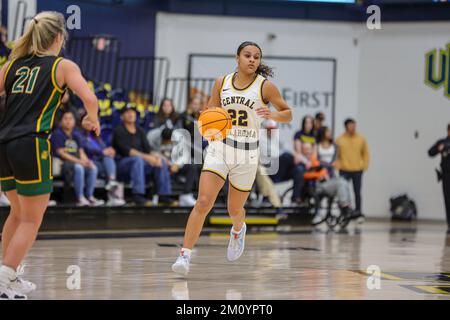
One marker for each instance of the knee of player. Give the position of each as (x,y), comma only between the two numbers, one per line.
(15,214)
(234,211)
(204,204)
(31,217)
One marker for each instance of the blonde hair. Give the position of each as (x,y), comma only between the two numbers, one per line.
(39,35)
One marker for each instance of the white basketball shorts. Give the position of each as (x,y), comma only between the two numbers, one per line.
(238,165)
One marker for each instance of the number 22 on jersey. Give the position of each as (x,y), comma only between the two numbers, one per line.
(241,117)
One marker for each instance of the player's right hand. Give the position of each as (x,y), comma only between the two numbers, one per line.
(90,125)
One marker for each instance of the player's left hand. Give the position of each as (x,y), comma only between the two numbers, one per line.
(264,112)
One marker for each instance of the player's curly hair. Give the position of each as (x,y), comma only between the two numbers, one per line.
(263,69)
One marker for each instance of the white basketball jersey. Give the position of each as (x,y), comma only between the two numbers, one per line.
(241,105)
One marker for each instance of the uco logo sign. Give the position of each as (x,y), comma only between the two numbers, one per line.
(437,69)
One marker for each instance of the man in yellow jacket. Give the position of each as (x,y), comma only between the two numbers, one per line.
(353,159)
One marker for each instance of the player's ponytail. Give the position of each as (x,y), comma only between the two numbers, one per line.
(39,35)
(263,69)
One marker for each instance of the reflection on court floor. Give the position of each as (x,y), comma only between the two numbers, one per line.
(414,263)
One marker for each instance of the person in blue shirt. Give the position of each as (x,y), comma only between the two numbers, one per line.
(103,158)
(68,145)
(305,134)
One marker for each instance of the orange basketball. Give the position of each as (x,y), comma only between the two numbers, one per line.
(214,124)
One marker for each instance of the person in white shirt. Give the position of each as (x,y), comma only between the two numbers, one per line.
(326,150)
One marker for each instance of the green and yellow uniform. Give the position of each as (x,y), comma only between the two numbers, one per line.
(32,99)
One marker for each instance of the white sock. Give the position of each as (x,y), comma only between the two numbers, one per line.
(238,232)
(20,270)
(7,274)
(186,252)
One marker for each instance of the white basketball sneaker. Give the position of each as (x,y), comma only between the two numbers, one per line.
(93,202)
(8,293)
(187,200)
(22,286)
(4,201)
(237,243)
(181,265)
(114,202)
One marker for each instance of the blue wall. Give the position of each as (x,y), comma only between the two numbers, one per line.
(134,26)
(4,12)
(134,21)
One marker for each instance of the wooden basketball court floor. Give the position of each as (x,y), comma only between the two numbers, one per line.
(305,263)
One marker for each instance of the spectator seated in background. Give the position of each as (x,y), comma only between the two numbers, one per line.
(189,117)
(166,116)
(326,150)
(67,142)
(136,161)
(150,114)
(188,121)
(291,165)
(318,124)
(324,184)
(103,157)
(305,135)
(178,160)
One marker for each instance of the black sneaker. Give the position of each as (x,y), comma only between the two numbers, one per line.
(140,200)
(167,201)
(347,214)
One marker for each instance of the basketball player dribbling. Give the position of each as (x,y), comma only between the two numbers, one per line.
(34,81)
(245,95)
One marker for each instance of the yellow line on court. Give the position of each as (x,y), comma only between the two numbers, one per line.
(249,220)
